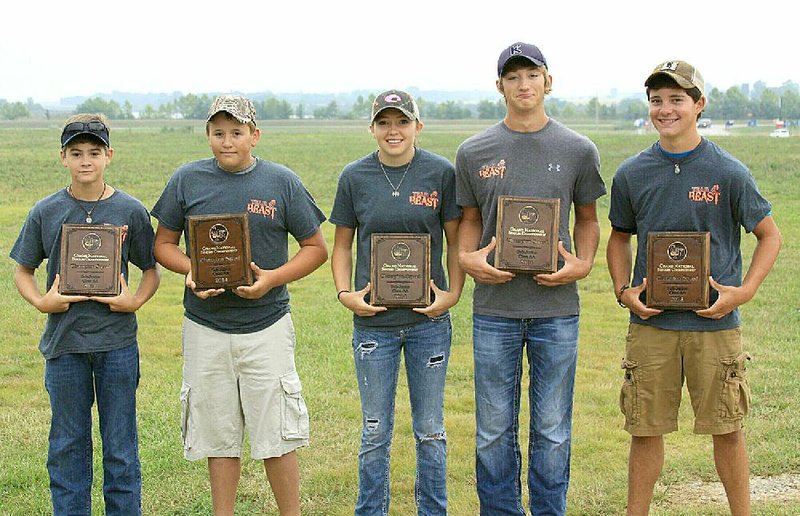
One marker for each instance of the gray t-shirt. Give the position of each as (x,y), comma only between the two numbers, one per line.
(88,326)
(713,192)
(277,205)
(427,200)
(554,162)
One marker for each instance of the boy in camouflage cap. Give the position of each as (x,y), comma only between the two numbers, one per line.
(684,182)
(238,344)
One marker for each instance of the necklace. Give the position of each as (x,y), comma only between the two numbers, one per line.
(395,192)
(94,205)
(676,162)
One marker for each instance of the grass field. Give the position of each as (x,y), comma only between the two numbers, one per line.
(145,156)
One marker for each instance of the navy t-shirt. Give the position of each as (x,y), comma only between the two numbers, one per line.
(87,326)
(364,202)
(713,192)
(277,205)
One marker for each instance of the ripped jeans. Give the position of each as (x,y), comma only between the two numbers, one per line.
(426,349)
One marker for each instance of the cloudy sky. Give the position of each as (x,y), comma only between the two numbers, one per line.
(50,49)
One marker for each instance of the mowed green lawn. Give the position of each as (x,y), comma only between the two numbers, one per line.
(145,157)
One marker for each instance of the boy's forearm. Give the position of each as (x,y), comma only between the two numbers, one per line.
(469,232)
(312,254)
(619,259)
(172,257)
(25,281)
(151,279)
(764,255)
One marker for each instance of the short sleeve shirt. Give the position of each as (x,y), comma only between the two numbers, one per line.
(554,162)
(713,192)
(88,326)
(426,201)
(277,205)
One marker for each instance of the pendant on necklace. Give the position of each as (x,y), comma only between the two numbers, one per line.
(88,219)
(677,168)
(395,194)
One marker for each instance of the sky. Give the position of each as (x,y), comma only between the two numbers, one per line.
(52,49)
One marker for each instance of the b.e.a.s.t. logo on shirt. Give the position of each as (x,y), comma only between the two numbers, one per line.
(493,170)
(705,194)
(264,208)
(429,200)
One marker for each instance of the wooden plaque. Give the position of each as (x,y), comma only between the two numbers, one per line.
(527,234)
(400,269)
(90,260)
(219,248)
(678,265)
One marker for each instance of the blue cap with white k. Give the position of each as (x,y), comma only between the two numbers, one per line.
(519,49)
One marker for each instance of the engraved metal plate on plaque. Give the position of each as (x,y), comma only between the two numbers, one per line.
(527,234)
(219,248)
(400,269)
(678,266)
(90,259)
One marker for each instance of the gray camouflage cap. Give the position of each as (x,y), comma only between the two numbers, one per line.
(399,100)
(686,75)
(241,108)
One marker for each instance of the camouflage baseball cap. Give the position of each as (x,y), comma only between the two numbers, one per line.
(686,75)
(396,99)
(241,108)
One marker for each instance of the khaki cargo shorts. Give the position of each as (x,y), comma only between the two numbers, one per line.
(657,362)
(234,383)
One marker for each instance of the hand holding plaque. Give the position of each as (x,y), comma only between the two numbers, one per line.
(678,266)
(90,259)
(400,269)
(527,234)
(219,248)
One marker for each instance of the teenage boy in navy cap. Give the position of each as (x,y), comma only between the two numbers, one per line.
(684,182)
(238,344)
(89,343)
(527,154)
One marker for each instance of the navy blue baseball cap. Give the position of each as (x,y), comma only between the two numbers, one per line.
(519,49)
(94,128)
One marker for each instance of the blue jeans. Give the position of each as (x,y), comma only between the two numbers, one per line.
(552,348)
(72,381)
(426,348)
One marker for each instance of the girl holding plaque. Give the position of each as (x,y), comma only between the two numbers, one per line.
(399,188)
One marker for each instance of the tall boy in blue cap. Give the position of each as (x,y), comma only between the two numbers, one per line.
(89,343)
(527,154)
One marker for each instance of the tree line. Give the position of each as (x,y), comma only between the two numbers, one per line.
(737,102)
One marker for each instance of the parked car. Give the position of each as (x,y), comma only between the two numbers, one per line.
(780,133)
(704,122)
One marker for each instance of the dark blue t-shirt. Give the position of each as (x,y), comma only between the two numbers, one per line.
(87,326)
(713,192)
(277,205)
(364,202)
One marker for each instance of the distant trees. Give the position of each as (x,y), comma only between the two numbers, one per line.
(769,103)
(13,110)
(738,102)
(110,108)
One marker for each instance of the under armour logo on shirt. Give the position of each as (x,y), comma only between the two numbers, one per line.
(554,167)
